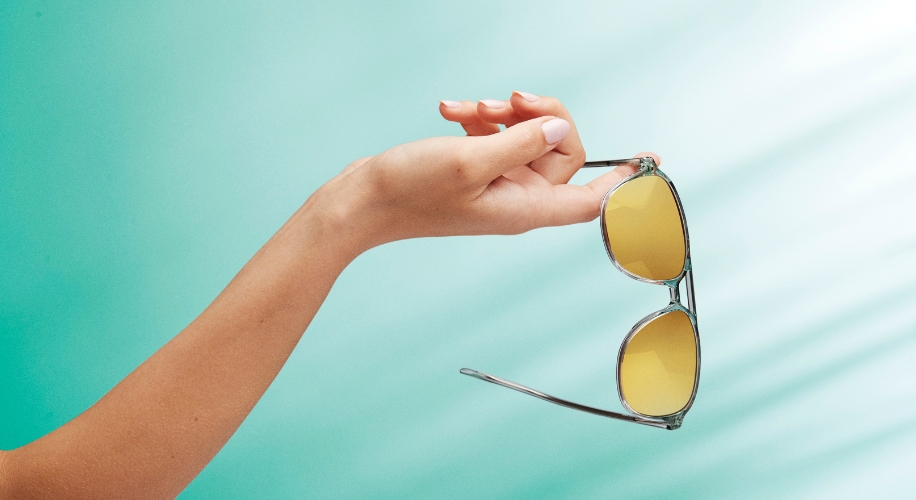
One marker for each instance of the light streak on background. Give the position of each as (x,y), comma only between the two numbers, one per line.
(146,152)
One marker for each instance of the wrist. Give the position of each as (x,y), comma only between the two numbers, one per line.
(335,221)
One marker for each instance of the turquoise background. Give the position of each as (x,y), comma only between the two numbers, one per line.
(147,151)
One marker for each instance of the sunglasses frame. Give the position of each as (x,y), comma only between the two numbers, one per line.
(645,166)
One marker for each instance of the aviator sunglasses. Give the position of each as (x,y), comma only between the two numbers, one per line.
(658,364)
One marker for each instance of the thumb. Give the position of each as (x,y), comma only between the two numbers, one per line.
(496,154)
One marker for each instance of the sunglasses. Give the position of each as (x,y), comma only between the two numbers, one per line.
(658,365)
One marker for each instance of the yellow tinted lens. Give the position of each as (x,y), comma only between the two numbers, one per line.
(658,369)
(644,230)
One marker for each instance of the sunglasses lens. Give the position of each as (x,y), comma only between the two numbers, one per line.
(644,230)
(659,365)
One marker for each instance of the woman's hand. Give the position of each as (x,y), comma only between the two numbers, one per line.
(490,182)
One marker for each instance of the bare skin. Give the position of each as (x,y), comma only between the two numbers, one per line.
(159,427)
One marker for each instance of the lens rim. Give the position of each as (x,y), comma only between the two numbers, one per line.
(647,168)
(675,306)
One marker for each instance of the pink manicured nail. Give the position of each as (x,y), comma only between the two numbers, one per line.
(451,104)
(526,96)
(555,130)
(493,103)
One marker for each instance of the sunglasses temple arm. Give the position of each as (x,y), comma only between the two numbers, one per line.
(635,162)
(562,402)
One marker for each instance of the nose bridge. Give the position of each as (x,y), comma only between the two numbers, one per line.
(675,291)
(688,284)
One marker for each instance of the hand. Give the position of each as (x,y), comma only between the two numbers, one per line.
(490,182)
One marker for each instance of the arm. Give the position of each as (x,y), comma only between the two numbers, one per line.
(159,427)
(154,432)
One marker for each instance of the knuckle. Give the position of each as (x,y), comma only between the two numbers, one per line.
(577,157)
(464,162)
(554,104)
(462,154)
(463,158)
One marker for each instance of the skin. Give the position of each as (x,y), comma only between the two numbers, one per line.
(160,426)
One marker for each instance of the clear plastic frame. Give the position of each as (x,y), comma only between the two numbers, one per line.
(644,167)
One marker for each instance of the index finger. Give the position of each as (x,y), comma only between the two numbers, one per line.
(562,162)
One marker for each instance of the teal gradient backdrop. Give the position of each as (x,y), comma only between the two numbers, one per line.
(147,150)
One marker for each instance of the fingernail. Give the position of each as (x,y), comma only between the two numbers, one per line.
(555,130)
(451,104)
(493,103)
(526,96)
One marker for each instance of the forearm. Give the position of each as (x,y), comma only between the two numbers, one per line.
(158,428)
